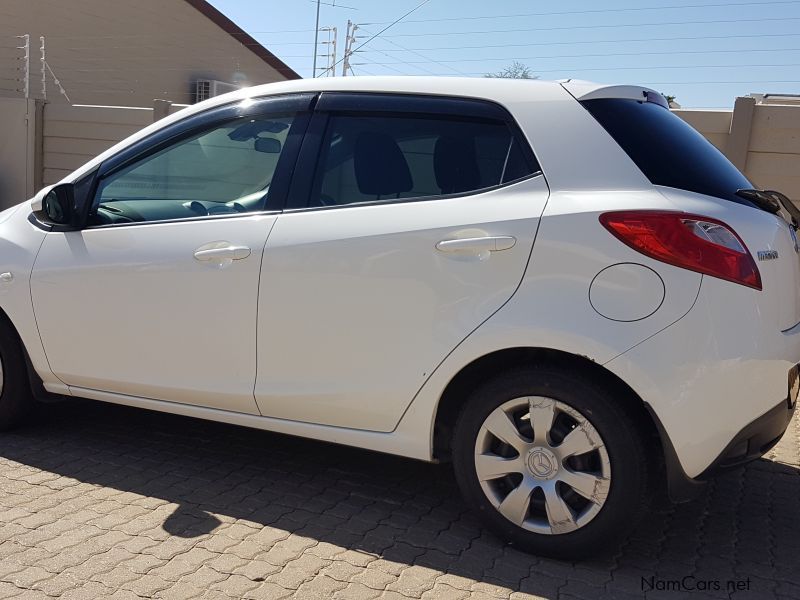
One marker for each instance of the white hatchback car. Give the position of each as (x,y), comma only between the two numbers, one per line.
(562,288)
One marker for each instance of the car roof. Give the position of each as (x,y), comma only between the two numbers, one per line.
(470,87)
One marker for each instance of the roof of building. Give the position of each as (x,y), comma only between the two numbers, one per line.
(243,37)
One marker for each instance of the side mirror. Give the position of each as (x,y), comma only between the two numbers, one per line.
(55,205)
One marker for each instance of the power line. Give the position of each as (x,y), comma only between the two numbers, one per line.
(614,41)
(360,65)
(386,64)
(464,18)
(645,68)
(533,14)
(599,10)
(661,24)
(404,49)
(360,68)
(632,68)
(392,24)
(334,5)
(604,54)
(481,46)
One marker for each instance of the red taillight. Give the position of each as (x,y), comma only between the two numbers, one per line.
(693,242)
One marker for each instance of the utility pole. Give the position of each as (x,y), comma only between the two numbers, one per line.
(329,69)
(316,41)
(348,47)
(346,59)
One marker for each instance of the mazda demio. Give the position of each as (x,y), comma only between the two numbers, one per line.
(558,287)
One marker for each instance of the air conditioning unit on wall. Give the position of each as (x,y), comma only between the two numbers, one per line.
(208,88)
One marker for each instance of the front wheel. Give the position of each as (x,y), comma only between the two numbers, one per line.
(15,394)
(551,461)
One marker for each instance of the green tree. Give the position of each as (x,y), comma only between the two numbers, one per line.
(670,99)
(516,70)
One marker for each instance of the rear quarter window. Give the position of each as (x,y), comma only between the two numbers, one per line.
(667,150)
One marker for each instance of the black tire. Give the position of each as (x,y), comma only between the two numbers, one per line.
(15,398)
(624,443)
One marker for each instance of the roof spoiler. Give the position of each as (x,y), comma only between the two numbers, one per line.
(587,90)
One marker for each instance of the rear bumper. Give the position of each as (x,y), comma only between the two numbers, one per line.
(716,382)
(754,440)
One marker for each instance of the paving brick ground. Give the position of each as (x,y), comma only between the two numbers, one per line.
(102,501)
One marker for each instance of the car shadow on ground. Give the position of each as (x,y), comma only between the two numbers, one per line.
(745,527)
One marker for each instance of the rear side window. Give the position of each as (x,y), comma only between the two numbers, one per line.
(377,157)
(667,149)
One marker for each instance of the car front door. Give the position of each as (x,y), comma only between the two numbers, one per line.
(415,228)
(157,296)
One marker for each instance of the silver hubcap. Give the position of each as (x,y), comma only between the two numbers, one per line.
(542,465)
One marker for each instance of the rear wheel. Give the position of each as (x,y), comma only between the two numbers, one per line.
(551,461)
(15,394)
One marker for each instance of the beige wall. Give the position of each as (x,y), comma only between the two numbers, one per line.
(126,53)
(715,125)
(766,140)
(73,135)
(17,150)
(773,159)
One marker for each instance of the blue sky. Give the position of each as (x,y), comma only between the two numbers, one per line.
(705,52)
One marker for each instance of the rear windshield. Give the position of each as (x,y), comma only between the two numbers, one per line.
(667,149)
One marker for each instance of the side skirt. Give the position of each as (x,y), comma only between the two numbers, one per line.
(389,443)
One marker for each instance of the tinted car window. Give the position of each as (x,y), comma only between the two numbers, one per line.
(379,157)
(667,149)
(227,169)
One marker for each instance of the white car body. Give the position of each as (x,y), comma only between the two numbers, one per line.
(348,326)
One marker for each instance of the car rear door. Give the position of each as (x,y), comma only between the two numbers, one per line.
(410,222)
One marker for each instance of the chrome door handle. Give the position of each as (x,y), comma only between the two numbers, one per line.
(493,243)
(221,252)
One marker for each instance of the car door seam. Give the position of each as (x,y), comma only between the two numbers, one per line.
(469,334)
(258,310)
(33,308)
